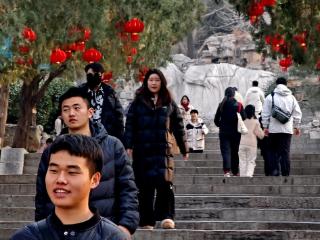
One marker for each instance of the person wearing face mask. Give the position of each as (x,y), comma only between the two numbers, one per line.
(103,99)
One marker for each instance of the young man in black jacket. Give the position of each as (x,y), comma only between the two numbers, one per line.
(103,99)
(116,196)
(75,165)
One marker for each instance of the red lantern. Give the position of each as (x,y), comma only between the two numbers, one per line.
(123,36)
(58,56)
(318,64)
(256,9)
(285,63)
(134,25)
(268,3)
(268,39)
(107,76)
(92,55)
(29,34)
(134,37)
(134,51)
(86,34)
(253,19)
(20,61)
(80,46)
(301,39)
(129,59)
(23,49)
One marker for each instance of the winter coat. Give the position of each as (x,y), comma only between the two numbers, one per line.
(255,97)
(185,114)
(283,99)
(227,119)
(116,195)
(254,131)
(146,134)
(195,134)
(112,112)
(95,228)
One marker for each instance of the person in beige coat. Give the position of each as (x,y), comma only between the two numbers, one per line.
(248,143)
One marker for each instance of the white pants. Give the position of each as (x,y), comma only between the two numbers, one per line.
(247,160)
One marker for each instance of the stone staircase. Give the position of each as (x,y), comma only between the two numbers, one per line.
(208,205)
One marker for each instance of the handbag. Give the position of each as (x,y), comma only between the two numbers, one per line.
(172,143)
(279,114)
(241,126)
(168,173)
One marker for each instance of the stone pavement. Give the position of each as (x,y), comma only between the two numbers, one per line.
(208,205)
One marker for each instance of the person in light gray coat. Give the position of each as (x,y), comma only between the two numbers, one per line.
(280,133)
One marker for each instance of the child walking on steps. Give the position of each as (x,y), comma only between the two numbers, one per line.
(248,143)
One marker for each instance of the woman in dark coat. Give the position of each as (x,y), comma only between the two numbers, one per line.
(152,116)
(227,121)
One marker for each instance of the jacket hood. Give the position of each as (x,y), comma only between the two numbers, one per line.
(282,90)
(97,131)
(254,90)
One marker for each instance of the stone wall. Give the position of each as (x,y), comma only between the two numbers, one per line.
(33,138)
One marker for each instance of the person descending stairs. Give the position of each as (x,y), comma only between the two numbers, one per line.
(208,205)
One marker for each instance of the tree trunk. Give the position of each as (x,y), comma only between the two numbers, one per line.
(27,103)
(4,100)
(31,94)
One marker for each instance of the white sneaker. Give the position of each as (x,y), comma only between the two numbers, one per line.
(226,174)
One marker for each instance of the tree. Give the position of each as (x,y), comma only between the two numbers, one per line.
(166,22)
(285,29)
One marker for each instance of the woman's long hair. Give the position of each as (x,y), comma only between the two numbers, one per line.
(228,94)
(164,96)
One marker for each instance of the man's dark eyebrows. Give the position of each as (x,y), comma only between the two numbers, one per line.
(75,167)
(53,164)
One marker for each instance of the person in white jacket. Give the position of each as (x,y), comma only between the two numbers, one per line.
(185,108)
(248,144)
(255,97)
(196,130)
(280,133)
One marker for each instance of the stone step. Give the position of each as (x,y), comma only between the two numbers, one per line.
(205,201)
(245,225)
(216,155)
(240,201)
(248,214)
(7,200)
(310,190)
(17,213)
(259,163)
(201,214)
(24,178)
(257,171)
(204,184)
(185,234)
(272,180)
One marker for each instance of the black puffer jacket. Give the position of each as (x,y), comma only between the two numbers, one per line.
(145,134)
(52,228)
(112,111)
(116,195)
(227,119)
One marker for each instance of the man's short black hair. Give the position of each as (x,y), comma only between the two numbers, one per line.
(194,111)
(281,80)
(95,66)
(73,92)
(80,146)
(255,83)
